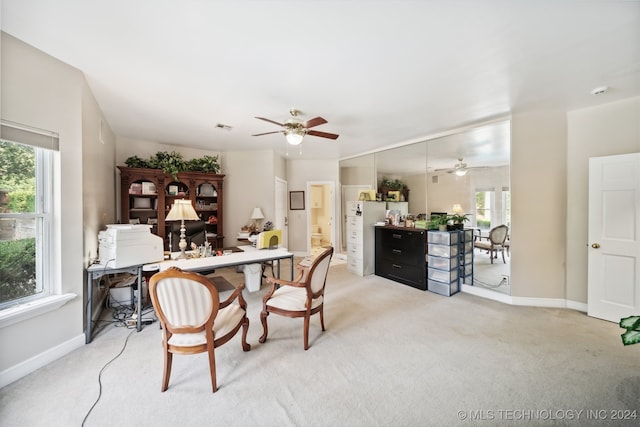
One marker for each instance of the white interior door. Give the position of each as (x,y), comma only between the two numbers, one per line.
(614,236)
(281,220)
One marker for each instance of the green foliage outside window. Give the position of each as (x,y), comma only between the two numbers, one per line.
(17,177)
(17,196)
(17,269)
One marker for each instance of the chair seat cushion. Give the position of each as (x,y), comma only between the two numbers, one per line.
(291,298)
(487,246)
(226,320)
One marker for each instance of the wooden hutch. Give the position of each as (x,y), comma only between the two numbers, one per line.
(146,195)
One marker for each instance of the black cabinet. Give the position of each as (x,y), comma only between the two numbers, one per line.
(400,255)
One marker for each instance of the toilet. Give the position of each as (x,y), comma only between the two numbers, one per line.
(316,235)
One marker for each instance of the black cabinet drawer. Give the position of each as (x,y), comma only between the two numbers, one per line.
(400,255)
(401,239)
(408,274)
(404,256)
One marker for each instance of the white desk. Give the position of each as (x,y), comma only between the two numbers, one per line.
(249,255)
(95,272)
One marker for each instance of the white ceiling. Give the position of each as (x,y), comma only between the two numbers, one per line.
(382,73)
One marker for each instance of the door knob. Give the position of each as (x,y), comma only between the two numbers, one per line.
(595,245)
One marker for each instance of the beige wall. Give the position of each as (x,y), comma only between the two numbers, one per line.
(298,173)
(592,132)
(40,91)
(538,204)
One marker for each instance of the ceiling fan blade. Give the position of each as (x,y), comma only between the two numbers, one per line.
(314,122)
(322,134)
(269,120)
(268,133)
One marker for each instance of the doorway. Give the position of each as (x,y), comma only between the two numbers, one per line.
(320,223)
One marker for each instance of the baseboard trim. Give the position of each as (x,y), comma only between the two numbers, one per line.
(22,369)
(528,301)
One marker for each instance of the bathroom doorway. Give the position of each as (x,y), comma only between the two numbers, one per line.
(320,221)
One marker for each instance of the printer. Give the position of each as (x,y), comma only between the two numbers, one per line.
(125,245)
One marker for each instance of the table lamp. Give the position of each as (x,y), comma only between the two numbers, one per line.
(257,215)
(457,209)
(182,210)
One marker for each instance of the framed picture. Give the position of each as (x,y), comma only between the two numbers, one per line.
(393,196)
(296,200)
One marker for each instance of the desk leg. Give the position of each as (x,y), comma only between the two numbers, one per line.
(291,258)
(87,330)
(140,295)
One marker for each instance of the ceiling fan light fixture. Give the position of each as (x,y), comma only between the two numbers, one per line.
(294,136)
(461,172)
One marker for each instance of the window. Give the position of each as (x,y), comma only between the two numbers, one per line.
(26,175)
(484,203)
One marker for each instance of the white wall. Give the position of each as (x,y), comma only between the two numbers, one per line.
(41,91)
(592,132)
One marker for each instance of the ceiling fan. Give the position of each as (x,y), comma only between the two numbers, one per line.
(295,129)
(460,168)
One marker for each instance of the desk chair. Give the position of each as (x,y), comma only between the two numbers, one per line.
(301,297)
(193,319)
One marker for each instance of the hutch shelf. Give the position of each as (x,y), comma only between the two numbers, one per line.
(146,196)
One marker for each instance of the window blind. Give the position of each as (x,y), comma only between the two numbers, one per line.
(23,134)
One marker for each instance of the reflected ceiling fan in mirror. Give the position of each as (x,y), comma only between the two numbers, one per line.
(460,168)
(295,129)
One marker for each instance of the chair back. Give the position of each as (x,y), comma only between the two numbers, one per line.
(498,234)
(185,302)
(317,276)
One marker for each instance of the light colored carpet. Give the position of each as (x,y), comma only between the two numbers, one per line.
(391,356)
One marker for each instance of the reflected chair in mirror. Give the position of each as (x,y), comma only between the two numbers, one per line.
(495,242)
(301,297)
(192,317)
(195,231)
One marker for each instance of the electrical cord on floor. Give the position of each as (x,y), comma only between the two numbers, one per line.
(489,285)
(100,378)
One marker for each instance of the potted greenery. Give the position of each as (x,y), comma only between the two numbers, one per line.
(438,222)
(458,221)
(173,163)
(632,326)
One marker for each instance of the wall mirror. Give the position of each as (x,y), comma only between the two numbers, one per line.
(470,168)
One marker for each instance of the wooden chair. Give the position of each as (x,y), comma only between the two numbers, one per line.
(301,297)
(495,243)
(193,319)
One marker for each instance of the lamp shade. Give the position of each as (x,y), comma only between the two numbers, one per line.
(457,209)
(182,210)
(257,214)
(294,137)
